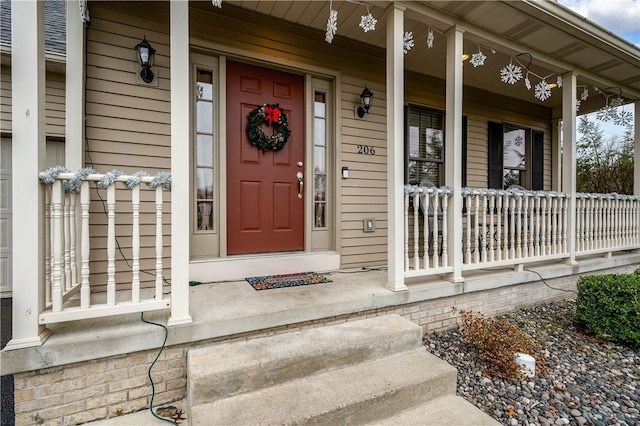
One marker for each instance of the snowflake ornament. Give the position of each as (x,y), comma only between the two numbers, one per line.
(527,82)
(511,74)
(623,118)
(543,90)
(216,3)
(578,102)
(477,59)
(368,22)
(617,101)
(559,81)
(606,113)
(430,38)
(407,42)
(585,94)
(332,26)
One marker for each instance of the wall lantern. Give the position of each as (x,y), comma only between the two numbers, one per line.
(366,98)
(146,55)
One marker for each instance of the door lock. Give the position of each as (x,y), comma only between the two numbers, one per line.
(300,184)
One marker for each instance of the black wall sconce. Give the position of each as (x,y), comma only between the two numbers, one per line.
(366,99)
(146,55)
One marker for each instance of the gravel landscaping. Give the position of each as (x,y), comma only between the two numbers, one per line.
(586,382)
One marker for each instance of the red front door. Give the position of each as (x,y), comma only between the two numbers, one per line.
(264,210)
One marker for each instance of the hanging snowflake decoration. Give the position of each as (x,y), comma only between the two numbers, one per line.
(477,59)
(606,113)
(543,90)
(585,94)
(511,74)
(216,3)
(368,22)
(617,101)
(578,102)
(623,118)
(527,82)
(84,12)
(559,81)
(430,38)
(407,42)
(332,26)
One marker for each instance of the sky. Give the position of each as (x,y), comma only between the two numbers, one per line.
(621,17)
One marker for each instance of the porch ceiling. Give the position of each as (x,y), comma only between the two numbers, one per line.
(558,39)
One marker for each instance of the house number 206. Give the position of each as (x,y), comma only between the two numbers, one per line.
(366,150)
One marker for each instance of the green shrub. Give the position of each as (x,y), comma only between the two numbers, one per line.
(609,305)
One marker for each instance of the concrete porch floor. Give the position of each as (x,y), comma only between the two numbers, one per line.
(231,308)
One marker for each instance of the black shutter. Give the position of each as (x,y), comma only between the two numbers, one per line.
(537,160)
(464,150)
(496,155)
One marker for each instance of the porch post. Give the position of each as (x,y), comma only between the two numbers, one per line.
(395,148)
(636,150)
(180,107)
(569,95)
(74,88)
(453,148)
(28,159)
(556,155)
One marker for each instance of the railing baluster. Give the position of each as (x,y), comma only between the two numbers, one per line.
(554,226)
(111,245)
(74,239)
(416,231)
(56,246)
(485,233)
(478,238)
(500,247)
(505,217)
(135,245)
(492,205)
(85,289)
(425,229)
(66,278)
(512,228)
(436,259)
(519,226)
(530,213)
(406,232)
(159,276)
(445,204)
(467,248)
(48,257)
(565,202)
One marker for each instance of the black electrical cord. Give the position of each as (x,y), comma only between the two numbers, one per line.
(153,387)
(545,283)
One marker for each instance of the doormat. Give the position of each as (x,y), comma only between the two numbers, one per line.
(287,280)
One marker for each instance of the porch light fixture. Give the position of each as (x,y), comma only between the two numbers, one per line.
(146,55)
(366,98)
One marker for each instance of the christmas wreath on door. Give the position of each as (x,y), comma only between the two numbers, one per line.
(273,117)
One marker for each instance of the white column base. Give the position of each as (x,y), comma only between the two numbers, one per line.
(452,278)
(186,319)
(28,342)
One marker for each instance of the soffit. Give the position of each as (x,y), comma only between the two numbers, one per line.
(559,39)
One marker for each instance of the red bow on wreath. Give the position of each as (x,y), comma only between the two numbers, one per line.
(273,115)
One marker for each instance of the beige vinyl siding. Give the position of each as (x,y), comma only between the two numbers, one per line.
(54,103)
(481,107)
(128,128)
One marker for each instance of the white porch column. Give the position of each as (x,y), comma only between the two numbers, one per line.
(556,155)
(28,158)
(74,88)
(180,107)
(636,150)
(395,148)
(453,148)
(569,133)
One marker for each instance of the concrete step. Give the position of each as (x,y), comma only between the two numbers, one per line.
(357,394)
(446,410)
(228,369)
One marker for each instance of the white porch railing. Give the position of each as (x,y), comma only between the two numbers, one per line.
(425,230)
(606,222)
(512,227)
(68,289)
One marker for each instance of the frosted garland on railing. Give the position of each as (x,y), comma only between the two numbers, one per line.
(75,183)
(134,180)
(612,196)
(109,178)
(416,189)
